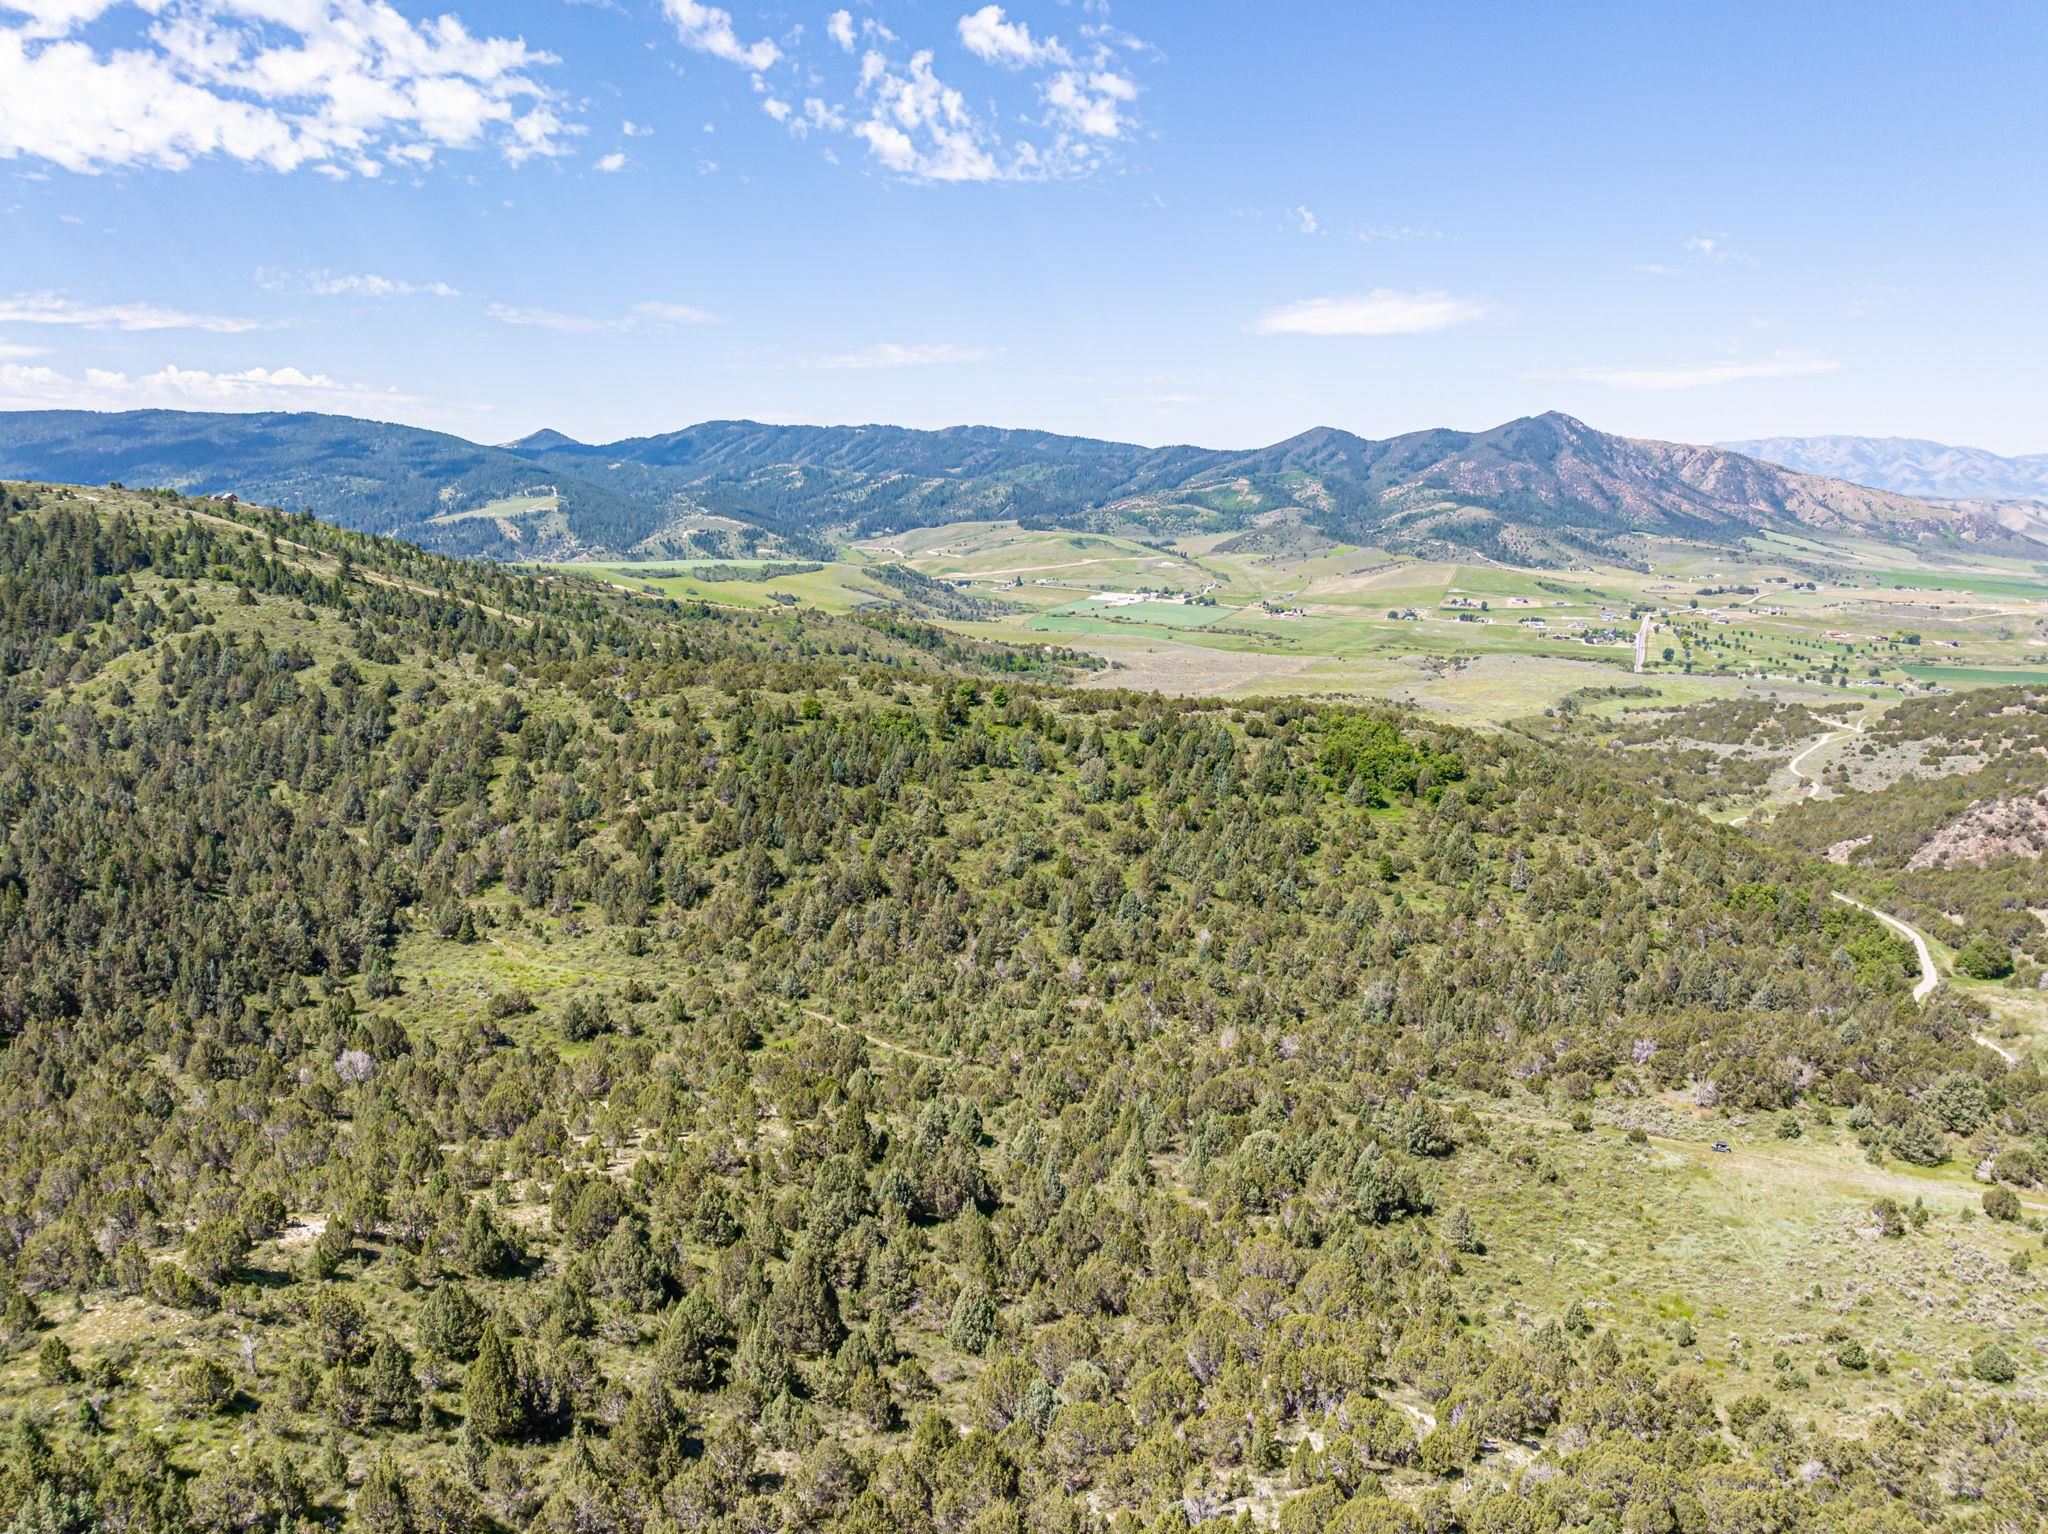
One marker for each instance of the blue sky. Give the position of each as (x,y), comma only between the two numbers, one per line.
(1185,221)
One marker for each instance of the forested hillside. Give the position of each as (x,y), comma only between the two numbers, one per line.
(485,1051)
(1542,490)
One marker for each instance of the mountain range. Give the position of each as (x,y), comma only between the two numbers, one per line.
(1908,466)
(1542,490)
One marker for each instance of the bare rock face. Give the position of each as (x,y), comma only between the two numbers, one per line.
(1991,828)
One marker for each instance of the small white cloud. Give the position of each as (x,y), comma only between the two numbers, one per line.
(839,27)
(708,29)
(1656,269)
(1701,375)
(554,319)
(1090,102)
(1382,312)
(893,354)
(11,351)
(612,162)
(351,285)
(53,309)
(674,314)
(777,108)
(653,314)
(988,35)
(1374,233)
(632,129)
(1714,247)
(1304,220)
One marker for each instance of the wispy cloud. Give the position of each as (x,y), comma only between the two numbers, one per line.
(350,285)
(708,29)
(614,161)
(55,309)
(990,36)
(651,315)
(674,314)
(1700,375)
(1382,312)
(896,354)
(1396,233)
(1713,247)
(1304,220)
(12,352)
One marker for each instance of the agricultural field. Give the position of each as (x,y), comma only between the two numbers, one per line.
(1778,617)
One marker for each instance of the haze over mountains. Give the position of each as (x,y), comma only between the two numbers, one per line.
(1908,465)
(1541,490)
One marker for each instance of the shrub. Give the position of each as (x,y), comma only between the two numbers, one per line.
(2001,1203)
(1920,1140)
(974,1321)
(1992,1364)
(214,1252)
(1984,958)
(202,1388)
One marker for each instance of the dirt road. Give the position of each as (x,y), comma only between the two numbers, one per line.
(1643,641)
(1793,766)
(1930,977)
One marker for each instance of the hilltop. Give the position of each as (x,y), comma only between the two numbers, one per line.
(1544,490)
(484,1051)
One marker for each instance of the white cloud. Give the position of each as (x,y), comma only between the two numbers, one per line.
(921,127)
(1714,247)
(1702,375)
(708,29)
(176,388)
(1399,232)
(1304,220)
(918,126)
(351,285)
(895,354)
(988,35)
(632,129)
(341,86)
(820,116)
(12,351)
(1090,102)
(651,315)
(612,162)
(1382,312)
(674,314)
(53,309)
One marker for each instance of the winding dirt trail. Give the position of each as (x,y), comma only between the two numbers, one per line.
(1643,641)
(1930,976)
(1793,767)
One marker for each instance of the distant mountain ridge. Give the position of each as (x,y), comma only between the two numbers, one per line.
(1908,466)
(1545,489)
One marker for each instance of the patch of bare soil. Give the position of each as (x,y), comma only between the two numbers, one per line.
(1992,828)
(1188,670)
